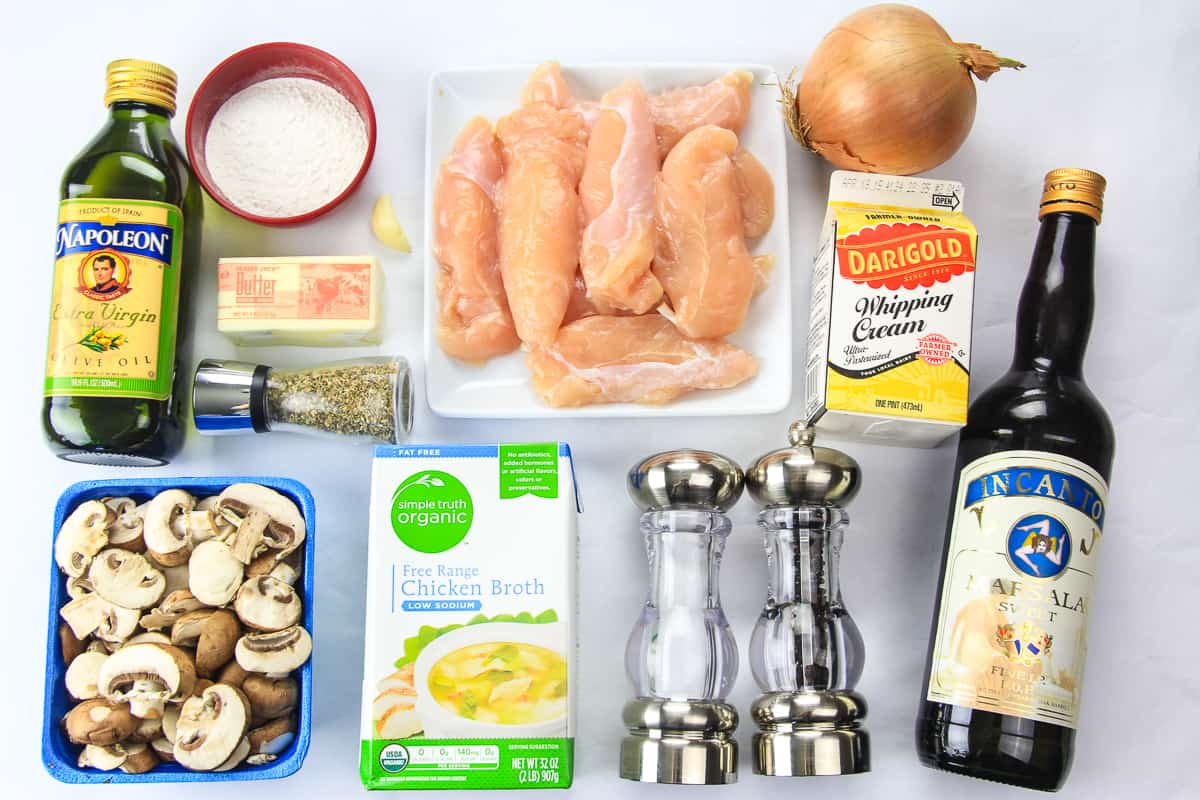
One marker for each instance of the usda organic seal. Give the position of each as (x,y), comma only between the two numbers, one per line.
(393,758)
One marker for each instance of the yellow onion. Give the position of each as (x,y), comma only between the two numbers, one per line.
(888,91)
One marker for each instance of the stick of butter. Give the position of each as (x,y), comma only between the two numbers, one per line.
(331,301)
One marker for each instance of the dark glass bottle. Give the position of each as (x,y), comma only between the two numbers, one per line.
(1006,655)
(128,238)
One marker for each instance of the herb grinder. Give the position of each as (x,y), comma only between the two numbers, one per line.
(806,653)
(681,655)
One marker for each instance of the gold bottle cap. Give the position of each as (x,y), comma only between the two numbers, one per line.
(1072,189)
(141,82)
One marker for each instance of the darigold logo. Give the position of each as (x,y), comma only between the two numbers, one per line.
(904,255)
(431,511)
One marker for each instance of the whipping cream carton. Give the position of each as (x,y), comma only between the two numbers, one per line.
(893,285)
(469,673)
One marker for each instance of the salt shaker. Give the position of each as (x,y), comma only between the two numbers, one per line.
(361,400)
(681,655)
(806,653)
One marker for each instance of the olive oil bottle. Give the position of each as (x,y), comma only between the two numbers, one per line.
(128,235)
(1009,640)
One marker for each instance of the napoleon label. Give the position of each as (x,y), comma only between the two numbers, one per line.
(114,299)
(1012,626)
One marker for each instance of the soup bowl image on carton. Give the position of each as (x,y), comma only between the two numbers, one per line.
(469,664)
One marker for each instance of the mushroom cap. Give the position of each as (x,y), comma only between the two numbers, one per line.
(83,675)
(277,651)
(233,674)
(274,737)
(163,748)
(270,698)
(139,758)
(83,534)
(126,578)
(214,632)
(214,575)
(267,604)
(147,731)
(211,727)
(72,646)
(168,543)
(147,676)
(151,637)
(99,721)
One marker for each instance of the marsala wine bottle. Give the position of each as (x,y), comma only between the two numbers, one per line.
(1009,638)
(128,236)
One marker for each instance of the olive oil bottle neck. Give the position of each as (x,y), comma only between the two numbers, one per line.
(1054,317)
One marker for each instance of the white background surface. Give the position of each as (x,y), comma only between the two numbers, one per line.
(1112,88)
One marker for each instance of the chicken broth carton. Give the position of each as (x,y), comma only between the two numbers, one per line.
(469,672)
(889,338)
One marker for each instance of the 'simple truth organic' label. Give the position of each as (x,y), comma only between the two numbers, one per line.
(114,300)
(890,321)
(1012,626)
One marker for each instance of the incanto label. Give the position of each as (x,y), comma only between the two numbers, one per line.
(114,299)
(1012,627)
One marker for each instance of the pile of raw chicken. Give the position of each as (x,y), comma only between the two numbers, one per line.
(608,239)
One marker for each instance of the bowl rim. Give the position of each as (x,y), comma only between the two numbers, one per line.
(67,771)
(369,119)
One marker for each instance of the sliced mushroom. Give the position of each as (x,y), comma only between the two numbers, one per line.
(273,738)
(211,727)
(78,587)
(83,534)
(287,569)
(147,731)
(163,748)
(265,519)
(270,698)
(102,758)
(170,719)
(267,604)
(83,674)
(72,646)
(125,531)
(223,526)
(213,632)
(126,579)
(149,637)
(214,574)
(232,674)
(99,721)
(177,578)
(147,676)
(200,525)
(139,758)
(118,625)
(236,757)
(172,607)
(279,651)
(167,542)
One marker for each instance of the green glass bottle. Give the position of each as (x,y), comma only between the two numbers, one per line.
(127,241)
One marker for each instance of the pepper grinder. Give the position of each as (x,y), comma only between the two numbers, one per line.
(681,655)
(806,652)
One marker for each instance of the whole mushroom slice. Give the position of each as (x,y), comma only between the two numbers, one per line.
(78,587)
(264,518)
(270,698)
(84,614)
(118,625)
(213,632)
(147,676)
(139,758)
(199,525)
(223,526)
(167,542)
(83,675)
(101,722)
(214,575)
(211,727)
(126,579)
(275,652)
(83,534)
(267,604)
(172,607)
(125,531)
(106,758)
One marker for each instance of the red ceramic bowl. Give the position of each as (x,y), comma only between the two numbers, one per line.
(263,62)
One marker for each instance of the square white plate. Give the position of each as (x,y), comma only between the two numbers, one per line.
(501,387)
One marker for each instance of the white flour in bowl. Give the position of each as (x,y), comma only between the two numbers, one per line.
(285,146)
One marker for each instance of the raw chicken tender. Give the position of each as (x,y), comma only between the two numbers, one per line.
(701,258)
(543,151)
(724,102)
(756,190)
(632,360)
(474,323)
(617,192)
(547,84)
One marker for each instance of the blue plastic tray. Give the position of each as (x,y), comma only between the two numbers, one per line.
(59,754)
